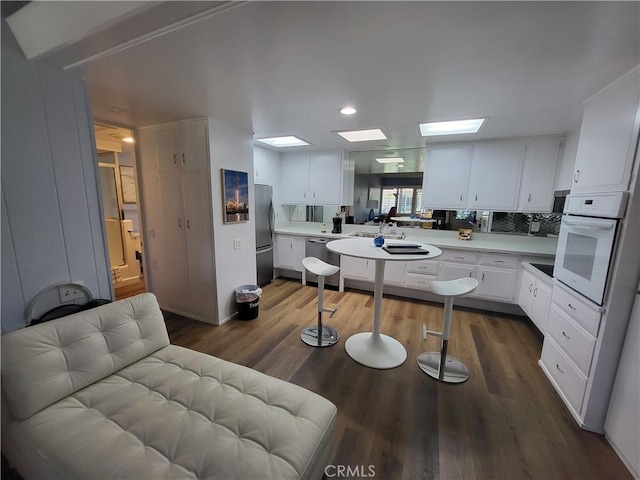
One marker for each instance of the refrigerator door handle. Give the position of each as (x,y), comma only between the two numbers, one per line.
(271,217)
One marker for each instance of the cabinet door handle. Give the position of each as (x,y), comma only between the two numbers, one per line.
(559,369)
(482,276)
(175,158)
(305,194)
(564,334)
(460,197)
(576,176)
(459,258)
(476,196)
(499,261)
(529,199)
(188,223)
(535,292)
(469,273)
(530,287)
(183,159)
(179,223)
(571,307)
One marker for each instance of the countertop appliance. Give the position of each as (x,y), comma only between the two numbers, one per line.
(264,219)
(317,247)
(337,225)
(587,240)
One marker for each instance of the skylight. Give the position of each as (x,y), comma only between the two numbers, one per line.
(451,127)
(286,141)
(363,135)
(390,160)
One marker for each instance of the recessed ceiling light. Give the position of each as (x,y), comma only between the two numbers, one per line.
(286,141)
(453,127)
(363,135)
(347,110)
(391,160)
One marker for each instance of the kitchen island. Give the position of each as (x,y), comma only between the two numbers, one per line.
(493,258)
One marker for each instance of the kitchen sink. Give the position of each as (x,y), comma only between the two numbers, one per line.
(388,236)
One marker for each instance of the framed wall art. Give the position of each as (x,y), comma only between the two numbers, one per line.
(235,191)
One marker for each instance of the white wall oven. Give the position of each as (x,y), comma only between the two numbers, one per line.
(587,241)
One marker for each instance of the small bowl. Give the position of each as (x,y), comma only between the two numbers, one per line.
(378,240)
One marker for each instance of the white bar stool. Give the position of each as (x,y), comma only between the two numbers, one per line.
(328,336)
(451,370)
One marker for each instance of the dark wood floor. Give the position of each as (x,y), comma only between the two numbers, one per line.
(505,422)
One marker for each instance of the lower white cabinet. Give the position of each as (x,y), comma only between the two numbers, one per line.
(496,283)
(453,271)
(394,273)
(289,252)
(569,348)
(534,298)
(358,268)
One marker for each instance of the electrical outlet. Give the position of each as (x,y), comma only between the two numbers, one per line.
(237,243)
(68,293)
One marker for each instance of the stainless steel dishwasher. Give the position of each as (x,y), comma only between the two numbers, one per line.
(317,247)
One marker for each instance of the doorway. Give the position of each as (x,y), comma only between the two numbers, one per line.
(118,187)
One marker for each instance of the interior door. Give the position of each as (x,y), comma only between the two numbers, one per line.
(109,191)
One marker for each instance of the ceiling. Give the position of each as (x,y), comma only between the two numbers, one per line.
(285,68)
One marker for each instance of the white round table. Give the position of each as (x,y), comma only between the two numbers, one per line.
(374,349)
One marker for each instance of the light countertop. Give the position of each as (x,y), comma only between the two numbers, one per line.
(487,242)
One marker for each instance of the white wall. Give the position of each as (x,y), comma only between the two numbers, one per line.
(232,149)
(52,228)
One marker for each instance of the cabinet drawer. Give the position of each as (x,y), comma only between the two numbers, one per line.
(417,280)
(498,260)
(580,311)
(425,267)
(568,379)
(458,256)
(573,340)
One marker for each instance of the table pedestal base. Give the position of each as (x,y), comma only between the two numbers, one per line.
(375,351)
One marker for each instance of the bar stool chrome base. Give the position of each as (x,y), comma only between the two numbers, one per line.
(329,336)
(453,371)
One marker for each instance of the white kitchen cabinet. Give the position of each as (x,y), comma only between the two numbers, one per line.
(325,172)
(540,165)
(567,162)
(266,167)
(534,298)
(357,268)
(294,178)
(569,347)
(445,181)
(453,271)
(496,283)
(289,252)
(394,273)
(315,178)
(496,170)
(608,138)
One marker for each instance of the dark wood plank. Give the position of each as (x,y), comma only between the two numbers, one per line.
(505,422)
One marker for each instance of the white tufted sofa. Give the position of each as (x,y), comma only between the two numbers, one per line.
(102,394)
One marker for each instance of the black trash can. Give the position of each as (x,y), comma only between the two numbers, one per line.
(248,300)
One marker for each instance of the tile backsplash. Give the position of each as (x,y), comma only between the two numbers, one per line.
(511,222)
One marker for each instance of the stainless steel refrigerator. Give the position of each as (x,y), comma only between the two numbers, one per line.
(264,216)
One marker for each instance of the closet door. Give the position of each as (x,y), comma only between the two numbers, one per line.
(199,243)
(173,274)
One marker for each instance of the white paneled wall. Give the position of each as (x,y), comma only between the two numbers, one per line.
(51,222)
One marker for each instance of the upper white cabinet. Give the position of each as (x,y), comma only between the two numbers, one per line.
(446,177)
(566,164)
(608,138)
(294,178)
(496,169)
(540,164)
(316,178)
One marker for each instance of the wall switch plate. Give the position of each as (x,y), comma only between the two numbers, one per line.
(237,243)
(69,293)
